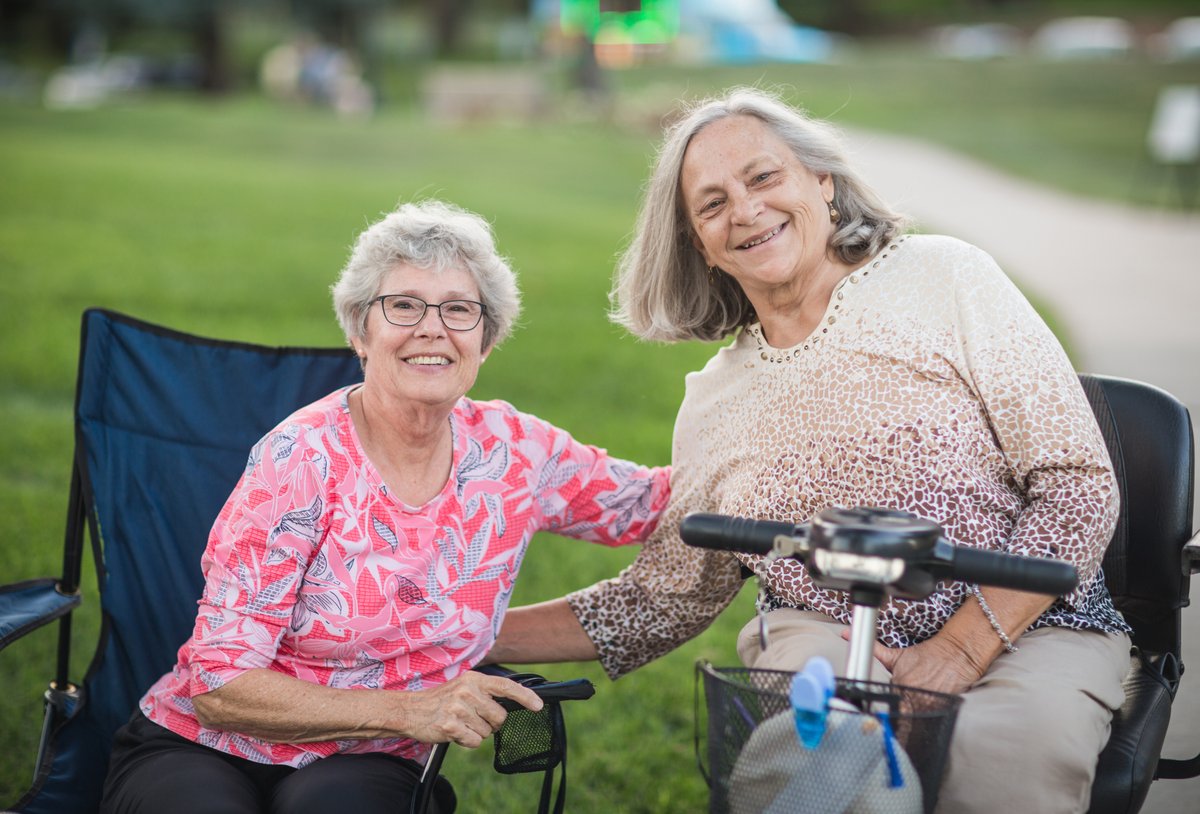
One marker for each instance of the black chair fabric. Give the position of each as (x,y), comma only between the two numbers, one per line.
(1149,437)
(1139,728)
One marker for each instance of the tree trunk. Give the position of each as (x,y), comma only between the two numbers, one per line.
(208,37)
(446,20)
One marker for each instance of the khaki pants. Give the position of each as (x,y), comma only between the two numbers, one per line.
(1028,733)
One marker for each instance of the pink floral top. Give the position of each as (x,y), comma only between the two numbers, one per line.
(313,570)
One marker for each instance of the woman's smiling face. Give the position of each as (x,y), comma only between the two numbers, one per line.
(756,212)
(424,363)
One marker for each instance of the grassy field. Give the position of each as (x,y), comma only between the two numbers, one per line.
(231,219)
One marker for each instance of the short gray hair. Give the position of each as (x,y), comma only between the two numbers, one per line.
(428,235)
(663,290)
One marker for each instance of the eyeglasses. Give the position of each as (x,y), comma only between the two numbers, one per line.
(406,311)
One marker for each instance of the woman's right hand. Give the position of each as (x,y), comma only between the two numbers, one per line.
(463,710)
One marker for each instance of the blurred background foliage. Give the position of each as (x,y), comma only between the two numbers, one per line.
(223,42)
(150,162)
(873,63)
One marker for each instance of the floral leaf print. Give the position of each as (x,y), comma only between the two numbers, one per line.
(327,602)
(365,674)
(211,621)
(494,504)
(408,592)
(321,462)
(627,504)
(254,458)
(628,498)
(301,522)
(302,617)
(284,442)
(447,543)
(319,569)
(249,749)
(244,580)
(213,682)
(385,533)
(490,573)
(499,606)
(218,599)
(271,594)
(275,556)
(476,468)
(473,456)
(552,477)
(475,551)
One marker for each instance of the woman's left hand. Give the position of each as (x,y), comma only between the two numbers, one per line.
(935,664)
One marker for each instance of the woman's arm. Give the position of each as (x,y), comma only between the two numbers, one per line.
(585,493)
(546,632)
(959,654)
(1041,421)
(1057,459)
(274,707)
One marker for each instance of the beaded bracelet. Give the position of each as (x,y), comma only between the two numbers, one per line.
(991,617)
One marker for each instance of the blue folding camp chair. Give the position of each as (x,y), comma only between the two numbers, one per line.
(163,424)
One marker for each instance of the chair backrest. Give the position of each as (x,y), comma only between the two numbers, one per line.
(164,425)
(1149,437)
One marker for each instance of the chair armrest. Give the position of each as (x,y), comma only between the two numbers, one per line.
(579,689)
(553,737)
(494,670)
(1191,555)
(26,606)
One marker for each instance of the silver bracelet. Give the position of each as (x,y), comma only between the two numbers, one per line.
(991,617)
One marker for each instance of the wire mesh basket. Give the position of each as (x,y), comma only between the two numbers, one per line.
(882,752)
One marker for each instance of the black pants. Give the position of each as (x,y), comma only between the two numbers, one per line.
(153,770)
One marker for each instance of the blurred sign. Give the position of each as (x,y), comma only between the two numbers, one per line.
(648,22)
(1174,136)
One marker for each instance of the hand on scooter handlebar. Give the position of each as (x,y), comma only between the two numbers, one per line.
(906,554)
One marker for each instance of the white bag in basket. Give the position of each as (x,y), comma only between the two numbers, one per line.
(846,774)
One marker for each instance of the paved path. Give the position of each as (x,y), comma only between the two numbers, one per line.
(1124,282)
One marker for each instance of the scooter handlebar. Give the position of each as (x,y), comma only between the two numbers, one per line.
(945,560)
(726,533)
(1036,575)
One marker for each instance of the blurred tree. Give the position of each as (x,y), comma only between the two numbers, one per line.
(204,25)
(338,22)
(845,16)
(48,28)
(447,19)
(446,24)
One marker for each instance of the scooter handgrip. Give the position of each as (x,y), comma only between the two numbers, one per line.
(1033,574)
(726,533)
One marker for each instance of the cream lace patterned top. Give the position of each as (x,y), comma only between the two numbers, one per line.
(931,386)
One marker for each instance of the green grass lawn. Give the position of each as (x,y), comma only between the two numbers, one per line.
(232,218)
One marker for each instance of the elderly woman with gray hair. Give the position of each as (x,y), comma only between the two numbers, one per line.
(867,368)
(365,560)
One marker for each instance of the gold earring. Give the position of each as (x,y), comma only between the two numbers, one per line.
(834,215)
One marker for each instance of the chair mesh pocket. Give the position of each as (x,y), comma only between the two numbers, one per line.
(531,741)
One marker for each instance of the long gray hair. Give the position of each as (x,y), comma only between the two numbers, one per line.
(663,290)
(428,235)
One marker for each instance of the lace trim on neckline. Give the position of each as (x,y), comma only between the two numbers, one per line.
(777,355)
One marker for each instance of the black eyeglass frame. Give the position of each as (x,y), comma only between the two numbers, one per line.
(427,305)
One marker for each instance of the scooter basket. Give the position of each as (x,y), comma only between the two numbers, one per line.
(882,752)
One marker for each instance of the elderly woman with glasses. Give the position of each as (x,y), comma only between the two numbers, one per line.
(866,368)
(365,560)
